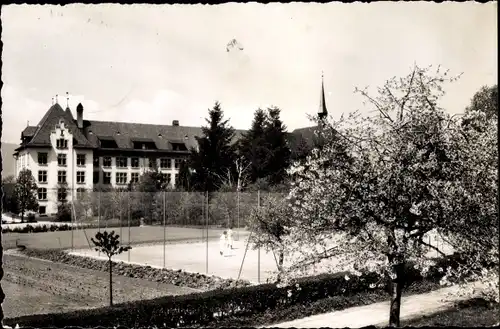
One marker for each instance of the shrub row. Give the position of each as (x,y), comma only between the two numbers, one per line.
(53,227)
(176,277)
(214,307)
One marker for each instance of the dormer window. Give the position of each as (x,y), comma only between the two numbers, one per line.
(62,143)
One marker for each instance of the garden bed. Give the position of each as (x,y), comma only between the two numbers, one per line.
(178,277)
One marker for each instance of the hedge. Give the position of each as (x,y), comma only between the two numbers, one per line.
(212,307)
(64,227)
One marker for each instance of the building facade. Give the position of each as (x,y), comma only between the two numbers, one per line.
(68,156)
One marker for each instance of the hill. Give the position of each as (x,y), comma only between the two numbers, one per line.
(8,162)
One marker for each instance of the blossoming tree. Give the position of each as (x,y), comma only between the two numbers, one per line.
(376,190)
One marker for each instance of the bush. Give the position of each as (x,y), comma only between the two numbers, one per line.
(31,218)
(63,212)
(214,307)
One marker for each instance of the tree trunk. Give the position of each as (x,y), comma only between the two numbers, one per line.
(110,282)
(396,290)
(22,216)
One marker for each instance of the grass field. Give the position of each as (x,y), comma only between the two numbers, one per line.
(81,238)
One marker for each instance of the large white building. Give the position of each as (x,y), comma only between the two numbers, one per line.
(68,155)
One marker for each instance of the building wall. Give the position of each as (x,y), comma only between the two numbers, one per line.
(29,159)
(143,167)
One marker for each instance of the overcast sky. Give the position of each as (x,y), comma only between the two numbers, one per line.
(155,64)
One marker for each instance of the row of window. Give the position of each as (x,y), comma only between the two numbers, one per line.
(61,176)
(61,159)
(121,162)
(62,193)
(121,177)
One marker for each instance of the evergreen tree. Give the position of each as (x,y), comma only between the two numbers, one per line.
(279,157)
(253,147)
(215,155)
(184,178)
(26,192)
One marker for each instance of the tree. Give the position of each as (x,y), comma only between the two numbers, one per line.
(270,224)
(184,176)
(26,192)
(150,184)
(216,153)
(374,211)
(279,157)
(63,206)
(473,231)
(253,147)
(10,202)
(109,244)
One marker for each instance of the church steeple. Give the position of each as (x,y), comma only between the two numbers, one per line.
(322,111)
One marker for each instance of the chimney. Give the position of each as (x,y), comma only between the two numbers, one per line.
(79,116)
(175,123)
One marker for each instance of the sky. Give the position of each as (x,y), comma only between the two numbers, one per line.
(158,63)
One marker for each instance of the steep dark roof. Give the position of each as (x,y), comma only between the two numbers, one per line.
(48,124)
(125,133)
(29,131)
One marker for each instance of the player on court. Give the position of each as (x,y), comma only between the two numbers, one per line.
(223,243)
(230,237)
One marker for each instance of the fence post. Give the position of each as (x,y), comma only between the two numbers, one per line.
(121,215)
(99,218)
(207,214)
(164,230)
(258,250)
(238,214)
(128,224)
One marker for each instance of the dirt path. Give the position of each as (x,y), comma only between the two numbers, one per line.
(377,314)
(36,286)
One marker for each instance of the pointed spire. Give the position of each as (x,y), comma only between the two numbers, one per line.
(67,100)
(57,100)
(322,112)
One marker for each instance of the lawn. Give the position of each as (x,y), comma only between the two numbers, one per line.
(81,238)
(472,313)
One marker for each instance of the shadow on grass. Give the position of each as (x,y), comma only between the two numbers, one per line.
(475,312)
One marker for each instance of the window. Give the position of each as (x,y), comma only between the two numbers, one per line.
(61,194)
(80,177)
(62,143)
(42,158)
(134,178)
(80,193)
(164,163)
(61,176)
(80,159)
(152,162)
(107,178)
(42,194)
(96,161)
(106,162)
(121,162)
(177,163)
(121,178)
(96,177)
(42,176)
(61,160)
(166,178)
(42,210)
(134,162)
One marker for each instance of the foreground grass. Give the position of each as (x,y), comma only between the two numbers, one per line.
(472,313)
